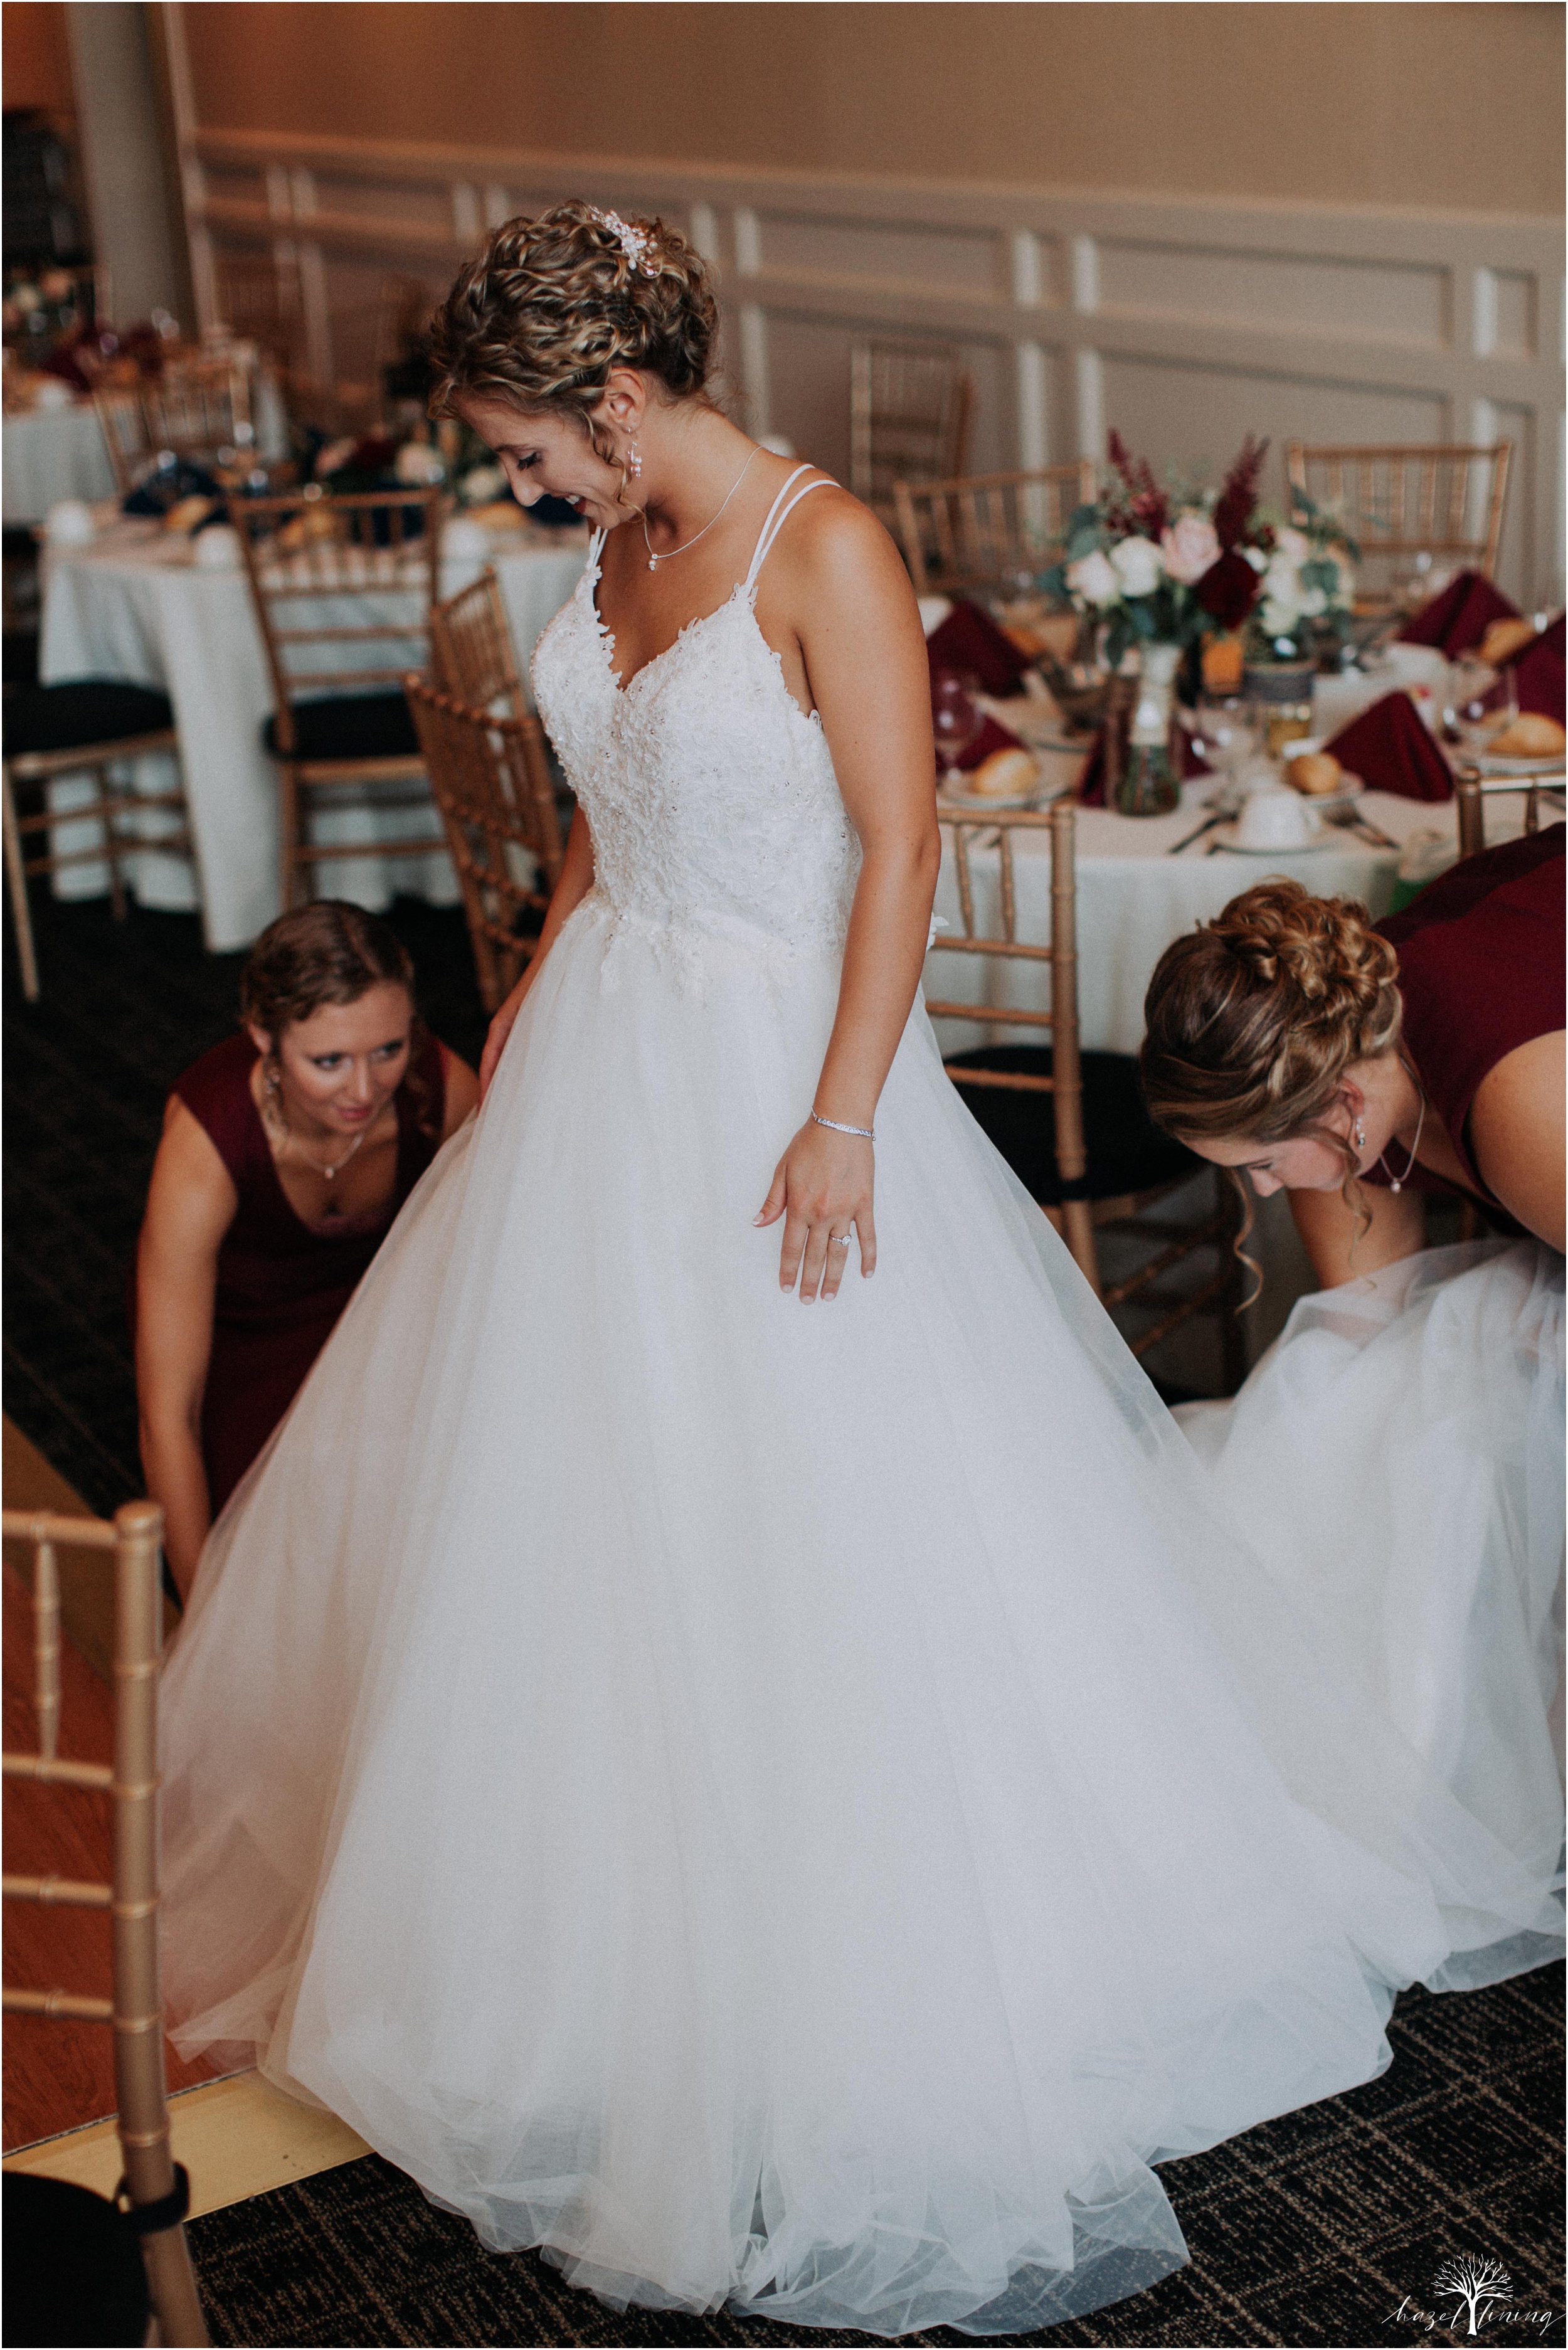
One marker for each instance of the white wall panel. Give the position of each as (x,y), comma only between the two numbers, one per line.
(1183,322)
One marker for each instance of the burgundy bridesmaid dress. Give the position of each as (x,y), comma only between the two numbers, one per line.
(1481,972)
(282,1282)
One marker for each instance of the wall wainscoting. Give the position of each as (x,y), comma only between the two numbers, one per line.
(1183,322)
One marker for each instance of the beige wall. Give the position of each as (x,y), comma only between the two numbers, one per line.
(1411,104)
(36,63)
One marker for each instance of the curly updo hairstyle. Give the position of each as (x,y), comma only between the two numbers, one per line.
(1251,1021)
(554,303)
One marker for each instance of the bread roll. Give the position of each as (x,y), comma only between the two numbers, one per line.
(1532,735)
(1315,773)
(1503,638)
(1005,776)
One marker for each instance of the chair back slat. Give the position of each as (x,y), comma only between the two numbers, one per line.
(490,778)
(988,530)
(470,649)
(1412,500)
(909,416)
(308,552)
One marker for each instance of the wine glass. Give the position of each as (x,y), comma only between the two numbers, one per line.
(1484,701)
(956,723)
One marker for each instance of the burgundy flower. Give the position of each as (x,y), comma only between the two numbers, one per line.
(1234,506)
(1144,509)
(1228,589)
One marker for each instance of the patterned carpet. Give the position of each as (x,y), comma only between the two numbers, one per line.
(1327,2226)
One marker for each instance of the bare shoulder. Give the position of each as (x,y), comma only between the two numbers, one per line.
(832,544)
(191,1193)
(461,1091)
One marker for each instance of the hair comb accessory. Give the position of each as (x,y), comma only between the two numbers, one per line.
(635,242)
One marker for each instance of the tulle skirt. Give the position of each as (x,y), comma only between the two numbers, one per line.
(796,1807)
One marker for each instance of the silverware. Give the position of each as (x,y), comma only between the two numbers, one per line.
(1351,822)
(1187,840)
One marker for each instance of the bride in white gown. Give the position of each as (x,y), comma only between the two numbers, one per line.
(797,1809)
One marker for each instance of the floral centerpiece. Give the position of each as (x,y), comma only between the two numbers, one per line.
(1306,587)
(1156,570)
(1152,566)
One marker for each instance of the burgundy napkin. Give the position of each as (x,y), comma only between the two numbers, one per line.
(969,639)
(1539,672)
(1389,748)
(991,737)
(1459,617)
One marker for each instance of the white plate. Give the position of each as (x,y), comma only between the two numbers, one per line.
(1224,836)
(1547,762)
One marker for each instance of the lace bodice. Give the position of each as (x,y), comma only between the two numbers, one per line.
(710,796)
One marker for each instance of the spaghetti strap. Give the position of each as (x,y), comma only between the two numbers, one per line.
(776,520)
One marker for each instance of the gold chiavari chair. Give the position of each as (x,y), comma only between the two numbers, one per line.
(1472,791)
(491,779)
(198,408)
(85,726)
(343,588)
(1070,1124)
(909,416)
(122,420)
(988,530)
(1406,502)
(471,648)
(154,2192)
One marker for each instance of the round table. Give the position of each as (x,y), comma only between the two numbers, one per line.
(136,605)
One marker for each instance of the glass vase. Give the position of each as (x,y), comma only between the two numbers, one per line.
(1149,782)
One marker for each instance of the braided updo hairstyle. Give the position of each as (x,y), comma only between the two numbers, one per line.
(1251,1021)
(554,303)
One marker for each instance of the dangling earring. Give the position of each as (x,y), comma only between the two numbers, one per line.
(1360,1135)
(633,461)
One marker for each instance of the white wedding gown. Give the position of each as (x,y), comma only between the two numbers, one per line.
(787,1806)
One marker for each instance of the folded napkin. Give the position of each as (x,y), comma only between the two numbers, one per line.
(1539,673)
(1459,617)
(969,640)
(1390,749)
(992,736)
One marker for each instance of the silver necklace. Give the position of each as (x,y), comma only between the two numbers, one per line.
(1397,1183)
(671,552)
(286,1135)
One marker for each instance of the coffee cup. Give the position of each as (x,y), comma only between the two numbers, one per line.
(1275,818)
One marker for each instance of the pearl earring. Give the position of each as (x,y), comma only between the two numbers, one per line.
(1360,1135)
(633,461)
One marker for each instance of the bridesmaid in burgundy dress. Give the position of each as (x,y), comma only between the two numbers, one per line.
(286,1154)
(1294,1041)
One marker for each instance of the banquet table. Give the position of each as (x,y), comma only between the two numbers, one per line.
(48,455)
(51,454)
(137,605)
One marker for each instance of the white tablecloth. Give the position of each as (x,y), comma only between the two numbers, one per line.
(53,453)
(134,606)
(1134,898)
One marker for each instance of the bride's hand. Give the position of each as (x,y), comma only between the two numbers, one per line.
(500,1028)
(821,1187)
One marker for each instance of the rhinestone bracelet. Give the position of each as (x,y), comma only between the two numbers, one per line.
(867,1133)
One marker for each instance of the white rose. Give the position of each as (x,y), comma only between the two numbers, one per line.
(1281,586)
(1256,558)
(1294,543)
(1278,620)
(1138,565)
(1093,578)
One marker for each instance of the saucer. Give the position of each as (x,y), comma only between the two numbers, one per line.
(1546,762)
(1225,838)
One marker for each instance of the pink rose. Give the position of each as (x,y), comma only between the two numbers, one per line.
(1190,548)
